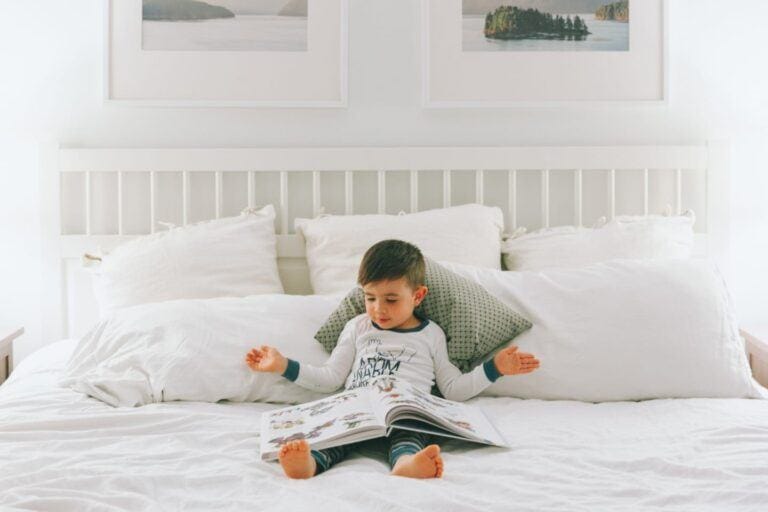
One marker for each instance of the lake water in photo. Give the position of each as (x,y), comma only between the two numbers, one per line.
(605,36)
(241,33)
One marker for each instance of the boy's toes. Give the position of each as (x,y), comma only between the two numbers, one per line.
(439,467)
(291,446)
(433,452)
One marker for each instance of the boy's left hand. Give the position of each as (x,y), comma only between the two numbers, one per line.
(511,362)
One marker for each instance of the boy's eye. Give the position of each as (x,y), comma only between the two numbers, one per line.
(391,301)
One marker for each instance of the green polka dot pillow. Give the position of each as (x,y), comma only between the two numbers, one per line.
(474,321)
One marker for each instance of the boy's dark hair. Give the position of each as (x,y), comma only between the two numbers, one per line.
(390,260)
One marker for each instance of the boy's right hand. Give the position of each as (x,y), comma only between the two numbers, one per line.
(266,359)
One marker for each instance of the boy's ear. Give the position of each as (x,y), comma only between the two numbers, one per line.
(420,293)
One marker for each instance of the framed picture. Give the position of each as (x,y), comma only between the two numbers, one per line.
(240,53)
(498,53)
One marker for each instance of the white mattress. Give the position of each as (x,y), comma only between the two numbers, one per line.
(63,451)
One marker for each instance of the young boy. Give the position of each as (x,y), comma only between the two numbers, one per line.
(388,339)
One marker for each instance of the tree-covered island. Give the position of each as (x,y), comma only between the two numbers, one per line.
(182,10)
(617,11)
(515,23)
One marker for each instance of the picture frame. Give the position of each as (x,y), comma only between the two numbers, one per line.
(313,78)
(455,78)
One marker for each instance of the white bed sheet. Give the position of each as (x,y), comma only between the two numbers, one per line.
(63,451)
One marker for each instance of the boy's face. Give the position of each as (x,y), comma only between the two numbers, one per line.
(390,303)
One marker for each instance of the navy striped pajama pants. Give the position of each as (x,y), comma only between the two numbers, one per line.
(401,442)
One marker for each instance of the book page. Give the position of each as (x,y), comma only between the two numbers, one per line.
(400,400)
(324,423)
(383,391)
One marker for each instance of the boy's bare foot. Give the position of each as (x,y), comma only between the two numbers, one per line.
(296,459)
(425,464)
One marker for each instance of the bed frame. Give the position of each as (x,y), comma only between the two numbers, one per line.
(98,198)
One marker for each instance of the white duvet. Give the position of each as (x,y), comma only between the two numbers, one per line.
(63,451)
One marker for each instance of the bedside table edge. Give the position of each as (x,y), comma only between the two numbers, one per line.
(6,353)
(757,354)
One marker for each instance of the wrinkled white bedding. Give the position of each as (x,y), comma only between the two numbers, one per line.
(60,450)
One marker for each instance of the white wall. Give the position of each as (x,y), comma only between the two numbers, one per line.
(50,89)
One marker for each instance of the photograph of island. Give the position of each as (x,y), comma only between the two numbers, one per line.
(545,25)
(224,25)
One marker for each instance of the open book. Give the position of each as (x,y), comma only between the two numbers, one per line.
(371,412)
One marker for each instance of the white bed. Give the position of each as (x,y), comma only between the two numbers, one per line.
(64,451)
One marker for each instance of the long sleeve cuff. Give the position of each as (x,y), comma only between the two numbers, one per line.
(292,370)
(490,370)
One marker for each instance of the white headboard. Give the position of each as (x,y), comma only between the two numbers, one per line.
(102,197)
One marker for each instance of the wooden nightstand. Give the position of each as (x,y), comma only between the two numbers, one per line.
(757,352)
(7,335)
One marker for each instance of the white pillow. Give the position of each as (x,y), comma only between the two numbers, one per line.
(624,330)
(233,256)
(633,237)
(335,244)
(195,350)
